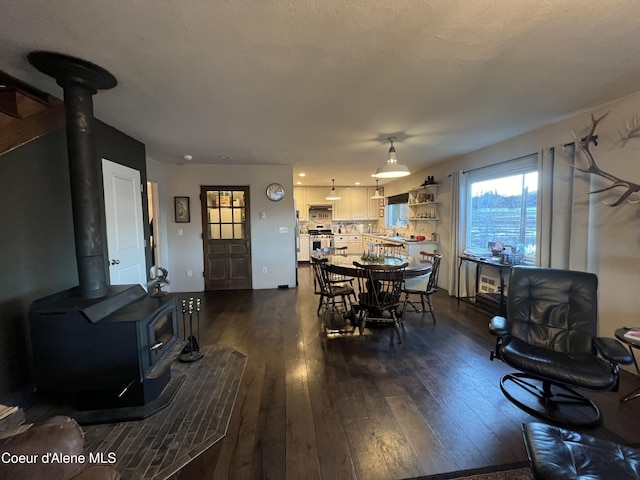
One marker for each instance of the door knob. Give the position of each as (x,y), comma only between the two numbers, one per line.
(115,262)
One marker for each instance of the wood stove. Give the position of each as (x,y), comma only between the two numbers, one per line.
(101,359)
(107,348)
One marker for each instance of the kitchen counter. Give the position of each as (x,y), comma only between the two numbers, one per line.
(413,247)
(397,239)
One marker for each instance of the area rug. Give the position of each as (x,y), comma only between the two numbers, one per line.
(514,471)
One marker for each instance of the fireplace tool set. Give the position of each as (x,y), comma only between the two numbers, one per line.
(191,352)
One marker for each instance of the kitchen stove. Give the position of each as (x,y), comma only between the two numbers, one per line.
(319,238)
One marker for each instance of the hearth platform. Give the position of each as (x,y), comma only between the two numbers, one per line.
(197,418)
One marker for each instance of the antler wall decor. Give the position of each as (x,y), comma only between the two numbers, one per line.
(592,168)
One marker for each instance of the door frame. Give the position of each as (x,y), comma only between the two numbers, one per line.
(248,279)
(109,167)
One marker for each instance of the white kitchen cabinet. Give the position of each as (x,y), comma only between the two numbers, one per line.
(299,195)
(414,248)
(317,195)
(341,240)
(342,207)
(303,254)
(355,203)
(355,244)
(358,203)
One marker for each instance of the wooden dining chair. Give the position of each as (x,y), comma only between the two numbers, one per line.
(395,249)
(332,277)
(380,287)
(424,286)
(336,298)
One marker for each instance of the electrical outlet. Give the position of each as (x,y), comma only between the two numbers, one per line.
(264,269)
(189,273)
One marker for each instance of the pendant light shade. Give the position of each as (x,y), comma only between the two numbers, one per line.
(377,194)
(333,195)
(392,169)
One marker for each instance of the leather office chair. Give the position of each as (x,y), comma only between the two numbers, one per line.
(380,287)
(425,286)
(550,335)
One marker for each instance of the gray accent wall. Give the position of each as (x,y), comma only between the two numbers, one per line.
(36,239)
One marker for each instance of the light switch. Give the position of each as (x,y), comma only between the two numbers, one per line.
(263,214)
(283,229)
(179,232)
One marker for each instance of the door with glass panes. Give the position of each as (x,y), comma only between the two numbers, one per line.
(226,240)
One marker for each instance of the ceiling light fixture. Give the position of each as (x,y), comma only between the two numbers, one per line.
(392,169)
(333,195)
(377,194)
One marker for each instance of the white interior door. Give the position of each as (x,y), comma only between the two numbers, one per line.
(125,229)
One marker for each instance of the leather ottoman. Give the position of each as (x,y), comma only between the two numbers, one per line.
(559,454)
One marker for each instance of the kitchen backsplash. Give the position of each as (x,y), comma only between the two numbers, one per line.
(345,227)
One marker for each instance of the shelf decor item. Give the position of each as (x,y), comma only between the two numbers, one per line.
(182,210)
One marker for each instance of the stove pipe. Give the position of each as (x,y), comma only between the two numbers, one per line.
(80,80)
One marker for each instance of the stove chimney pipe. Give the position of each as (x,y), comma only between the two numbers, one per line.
(80,80)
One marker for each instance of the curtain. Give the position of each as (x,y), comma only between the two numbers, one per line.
(456,243)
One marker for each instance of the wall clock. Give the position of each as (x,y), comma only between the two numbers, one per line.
(275,192)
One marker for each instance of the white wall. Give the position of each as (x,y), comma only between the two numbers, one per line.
(155,174)
(613,243)
(269,248)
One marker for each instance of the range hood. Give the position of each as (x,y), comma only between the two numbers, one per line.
(320,213)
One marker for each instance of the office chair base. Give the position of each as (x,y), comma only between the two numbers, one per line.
(549,400)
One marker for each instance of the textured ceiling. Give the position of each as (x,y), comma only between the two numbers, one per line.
(320,84)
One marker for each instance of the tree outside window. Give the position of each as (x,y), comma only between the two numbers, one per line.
(503,210)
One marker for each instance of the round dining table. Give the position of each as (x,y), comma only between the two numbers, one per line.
(343,264)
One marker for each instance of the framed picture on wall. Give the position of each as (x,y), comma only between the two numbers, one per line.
(381,201)
(182,211)
(381,212)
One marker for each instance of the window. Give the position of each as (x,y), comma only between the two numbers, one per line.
(502,205)
(225,214)
(397,211)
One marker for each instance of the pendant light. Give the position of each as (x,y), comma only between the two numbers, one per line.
(333,195)
(377,194)
(392,169)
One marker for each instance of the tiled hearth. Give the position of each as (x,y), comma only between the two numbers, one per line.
(160,445)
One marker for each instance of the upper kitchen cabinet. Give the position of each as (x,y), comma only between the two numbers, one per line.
(317,195)
(359,203)
(342,210)
(355,203)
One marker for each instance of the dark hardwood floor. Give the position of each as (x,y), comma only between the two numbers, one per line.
(345,406)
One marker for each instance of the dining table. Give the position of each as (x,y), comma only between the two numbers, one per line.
(342,264)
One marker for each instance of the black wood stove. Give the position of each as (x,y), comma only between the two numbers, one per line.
(106,348)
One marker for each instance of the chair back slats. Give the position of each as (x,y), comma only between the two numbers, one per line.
(380,289)
(432,284)
(319,277)
(380,285)
(395,249)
